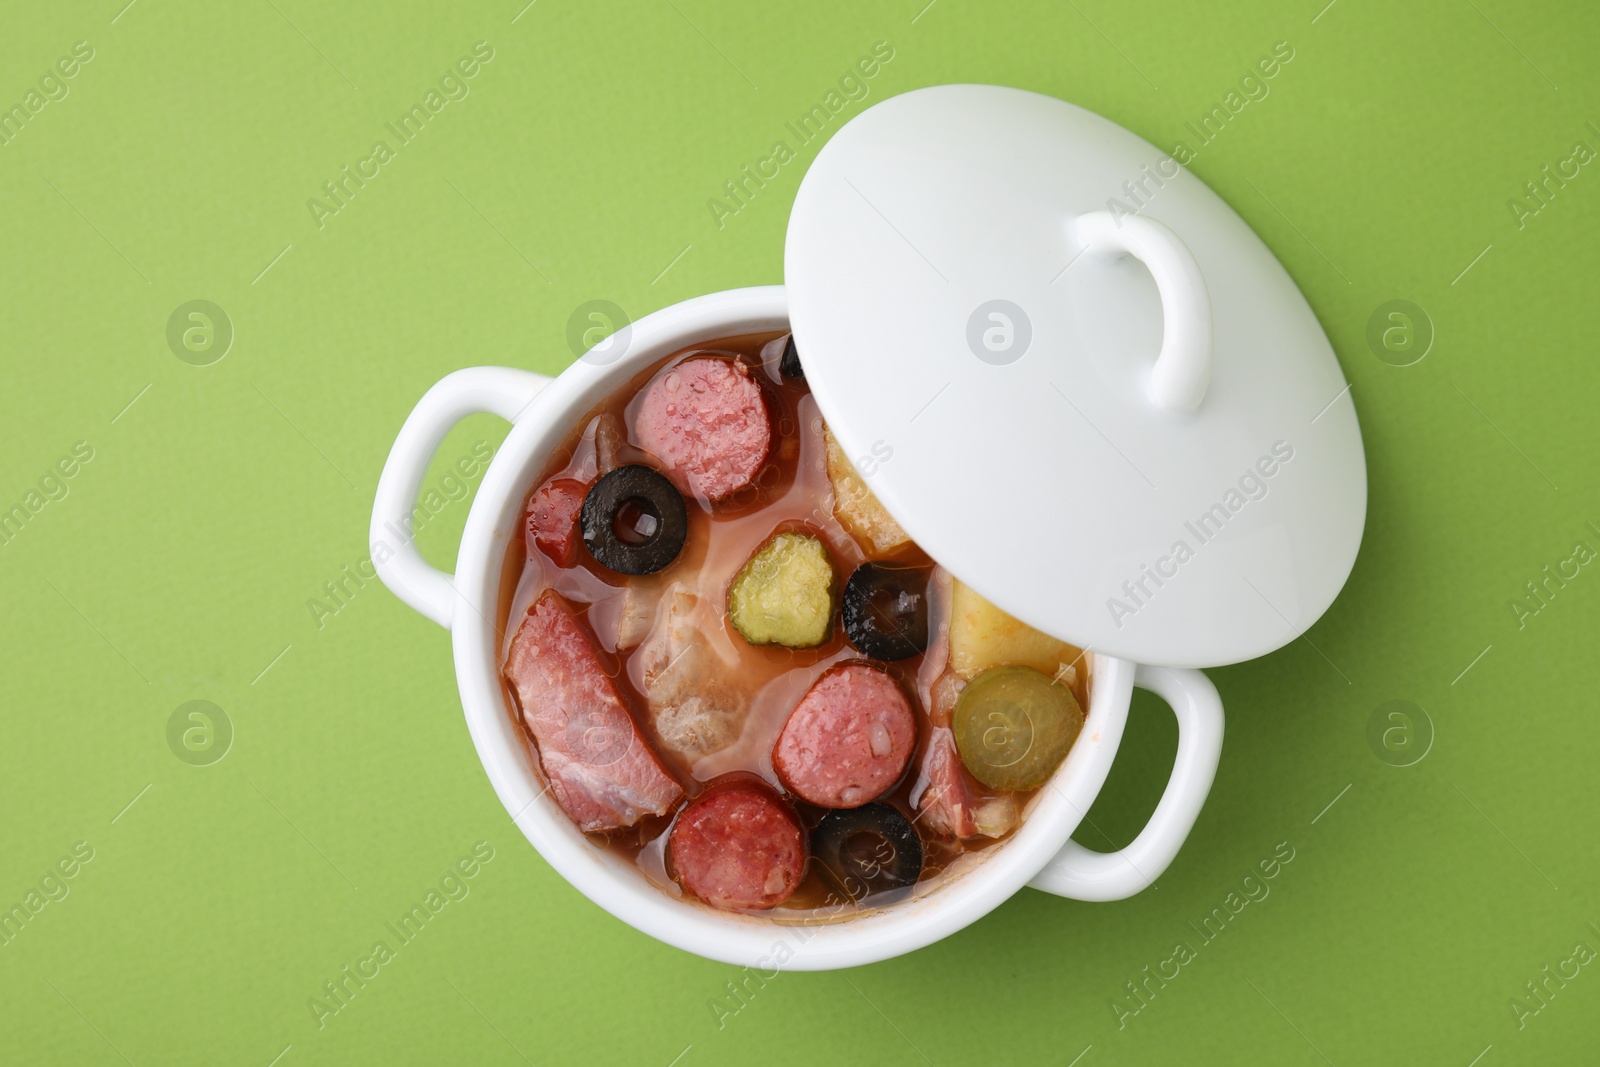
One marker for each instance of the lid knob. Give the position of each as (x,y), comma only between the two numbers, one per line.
(1182,370)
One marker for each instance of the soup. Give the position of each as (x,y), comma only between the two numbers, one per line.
(735,668)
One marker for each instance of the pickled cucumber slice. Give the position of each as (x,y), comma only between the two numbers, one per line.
(1014,726)
(783,595)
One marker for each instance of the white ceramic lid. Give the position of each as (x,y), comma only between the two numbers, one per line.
(1075,376)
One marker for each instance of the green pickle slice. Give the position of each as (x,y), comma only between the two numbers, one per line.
(1014,726)
(783,595)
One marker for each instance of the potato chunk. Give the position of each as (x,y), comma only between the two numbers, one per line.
(857,510)
(983,636)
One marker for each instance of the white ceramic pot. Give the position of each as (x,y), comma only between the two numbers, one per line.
(543,412)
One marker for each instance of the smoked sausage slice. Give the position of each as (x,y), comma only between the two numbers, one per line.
(706,422)
(738,846)
(848,740)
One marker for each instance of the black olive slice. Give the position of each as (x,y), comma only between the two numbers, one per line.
(885,611)
(790,366)
(633,520)
(867,850)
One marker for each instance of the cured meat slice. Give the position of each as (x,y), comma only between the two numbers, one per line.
(848,740)
(705,420)
(601,770)
(738,846)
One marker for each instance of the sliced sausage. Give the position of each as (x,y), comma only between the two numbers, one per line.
(738,846)
(706,421)
(552,519)
(601,770)
(848,740)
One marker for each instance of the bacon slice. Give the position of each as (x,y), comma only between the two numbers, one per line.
(601,770)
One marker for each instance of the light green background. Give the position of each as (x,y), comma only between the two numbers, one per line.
(180,564)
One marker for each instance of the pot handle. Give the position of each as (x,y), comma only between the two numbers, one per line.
(503,391)
(1183,369)
(1080,873)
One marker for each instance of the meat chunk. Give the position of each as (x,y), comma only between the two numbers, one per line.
(552,519)
(738,846)
(952,803)
(706,421)
(601,769)
(946,802)
(848,740)
(694,710)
